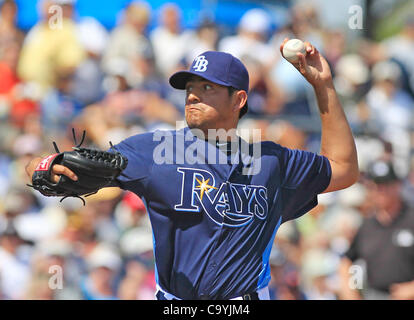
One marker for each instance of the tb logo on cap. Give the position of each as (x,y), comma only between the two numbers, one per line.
(200,64)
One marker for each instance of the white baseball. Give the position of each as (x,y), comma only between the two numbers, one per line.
(292,47)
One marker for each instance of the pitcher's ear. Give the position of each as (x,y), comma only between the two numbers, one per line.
(240,99)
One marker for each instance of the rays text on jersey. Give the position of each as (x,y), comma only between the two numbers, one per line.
(228,204)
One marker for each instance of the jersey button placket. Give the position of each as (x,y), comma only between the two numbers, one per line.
(210,275)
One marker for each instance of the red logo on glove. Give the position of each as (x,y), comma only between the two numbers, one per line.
(45,163)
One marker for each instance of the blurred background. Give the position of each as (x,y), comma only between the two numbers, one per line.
(103,66)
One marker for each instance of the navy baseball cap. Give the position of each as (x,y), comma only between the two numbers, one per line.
(218,67)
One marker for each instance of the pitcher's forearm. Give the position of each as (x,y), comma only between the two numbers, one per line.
(337,141)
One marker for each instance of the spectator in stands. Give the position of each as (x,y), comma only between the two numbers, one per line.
(169,40)
(149,79)
(385,242)
(305,23)
(128,41)
(138,283)
(352,84)
(51,46)
(104,263)
(14,273)
(251,39)
(287,135)
(59,106)
(8,29)
(391,111)
(318,267)
(16,98)
(400,48)
(265,96)
(53,277)
(88,77)
(11,39)
(8,64)
(205,39)
(408,185)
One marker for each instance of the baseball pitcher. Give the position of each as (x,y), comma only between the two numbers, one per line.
(215,208)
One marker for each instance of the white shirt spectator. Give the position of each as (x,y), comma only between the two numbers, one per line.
(169,48)
(250,40)
(240,46)
(170,44)
(14,276)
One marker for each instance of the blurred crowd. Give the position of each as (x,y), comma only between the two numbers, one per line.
(74,73)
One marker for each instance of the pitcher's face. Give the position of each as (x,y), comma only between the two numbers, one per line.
(208,105)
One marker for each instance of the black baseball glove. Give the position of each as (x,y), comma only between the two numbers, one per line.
(95,169)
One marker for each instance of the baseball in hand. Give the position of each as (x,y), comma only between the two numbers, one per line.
(292,47)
